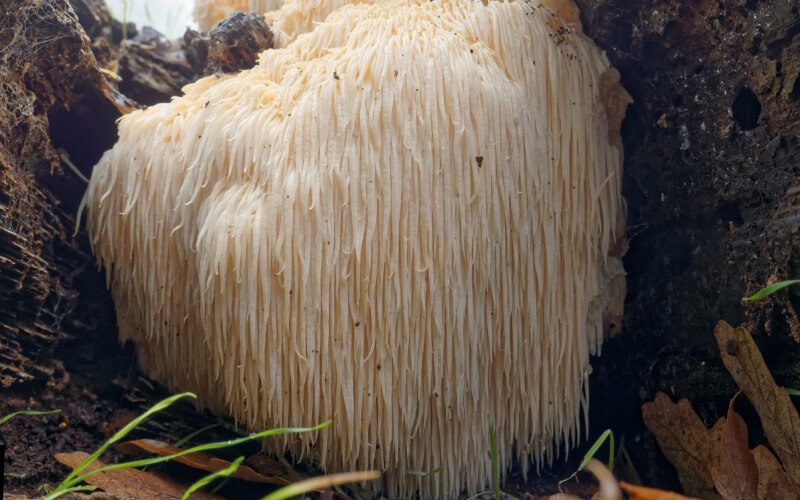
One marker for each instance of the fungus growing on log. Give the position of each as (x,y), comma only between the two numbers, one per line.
(404,220)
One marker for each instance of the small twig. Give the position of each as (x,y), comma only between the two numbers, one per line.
(609,488)
(68,162)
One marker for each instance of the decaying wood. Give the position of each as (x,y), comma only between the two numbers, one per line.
(58,108)
(153,69)
(232,45)
(46,67)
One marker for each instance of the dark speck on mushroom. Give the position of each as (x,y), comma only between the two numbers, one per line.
(479,159)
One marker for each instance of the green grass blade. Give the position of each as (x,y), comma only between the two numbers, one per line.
(636,477)
(769,290)
(75,489)
(480,494)
(508,496)
(610,451)
(26,412)
(124,19)
(596,446)
(193,435)
(202,447)
(425,474)
(220,485)
(71,479)
(318,483)
(793,392)
(148,16)
(227,471)
(495,471)
(607,434)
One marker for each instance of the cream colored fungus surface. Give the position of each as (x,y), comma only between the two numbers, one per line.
(399,221)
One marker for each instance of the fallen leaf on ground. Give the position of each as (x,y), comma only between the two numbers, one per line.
(643,493)
(777,413)
(132,484)
(689,446)
(197,460)
(736,476)
(773,482)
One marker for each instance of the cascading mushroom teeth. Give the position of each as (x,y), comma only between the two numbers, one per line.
(403,220)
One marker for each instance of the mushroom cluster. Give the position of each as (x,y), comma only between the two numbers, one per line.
(403,220)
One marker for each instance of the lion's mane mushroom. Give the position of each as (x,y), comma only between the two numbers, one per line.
(402,221)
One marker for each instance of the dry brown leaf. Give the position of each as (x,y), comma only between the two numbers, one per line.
(643,493)
(692,449)
(773,482)
(132,484)
(736,476)
(197,460)
(778,415)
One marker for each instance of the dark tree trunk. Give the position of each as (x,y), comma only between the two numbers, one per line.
(48,75)
(712,157)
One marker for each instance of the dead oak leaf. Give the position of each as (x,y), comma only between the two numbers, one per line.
(736,476)
(644,493)
(132,484)
(197,460)
(777,413)
(773,482)
(689,446)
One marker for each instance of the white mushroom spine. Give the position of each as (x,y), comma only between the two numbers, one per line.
(400,221)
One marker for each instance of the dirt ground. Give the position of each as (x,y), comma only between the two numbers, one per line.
(712,146)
